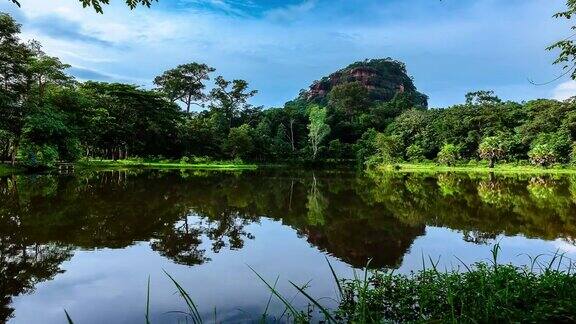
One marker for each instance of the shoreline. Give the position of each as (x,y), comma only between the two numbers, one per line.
(502,168)
(6,170)
(131,164)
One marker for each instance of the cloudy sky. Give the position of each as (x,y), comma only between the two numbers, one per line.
(450,46)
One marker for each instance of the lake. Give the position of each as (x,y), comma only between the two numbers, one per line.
(88,242)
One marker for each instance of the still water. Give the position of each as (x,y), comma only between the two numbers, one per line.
(88,243)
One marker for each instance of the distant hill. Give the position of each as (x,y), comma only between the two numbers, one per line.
(384,78)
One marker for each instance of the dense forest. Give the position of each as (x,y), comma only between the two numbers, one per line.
(369,112)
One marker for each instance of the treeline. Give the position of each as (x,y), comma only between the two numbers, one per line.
(484,128)
(369,112)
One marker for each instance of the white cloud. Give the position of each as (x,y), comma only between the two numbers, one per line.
(486,45)
(290,12)
(564,90)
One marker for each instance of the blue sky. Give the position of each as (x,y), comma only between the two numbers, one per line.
(450,46)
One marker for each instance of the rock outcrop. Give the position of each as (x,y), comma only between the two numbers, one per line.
(383,78)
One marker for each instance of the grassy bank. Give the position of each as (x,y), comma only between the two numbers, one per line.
(485,292)
(6,169)
(476,168)
(126,164)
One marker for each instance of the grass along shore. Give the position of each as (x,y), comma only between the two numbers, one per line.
(6,169)
(476,168)
(165,164)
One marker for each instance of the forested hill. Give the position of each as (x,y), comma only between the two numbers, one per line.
(381,79)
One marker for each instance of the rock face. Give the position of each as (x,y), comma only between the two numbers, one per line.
(384,78)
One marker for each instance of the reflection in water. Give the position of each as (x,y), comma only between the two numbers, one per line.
(43,219)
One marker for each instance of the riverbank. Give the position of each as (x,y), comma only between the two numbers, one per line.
(139,164)
(6,169)
(475,168)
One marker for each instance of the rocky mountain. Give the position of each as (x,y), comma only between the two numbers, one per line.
(383,78)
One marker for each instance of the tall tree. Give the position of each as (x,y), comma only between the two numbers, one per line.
(44,69)
(318,128)
(230,97)
(14,76)
(185,83)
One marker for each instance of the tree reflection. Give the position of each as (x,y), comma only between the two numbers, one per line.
(190,216)
(23,263)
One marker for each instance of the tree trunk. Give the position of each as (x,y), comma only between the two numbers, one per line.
(491,163)
(292,133)
(14,153)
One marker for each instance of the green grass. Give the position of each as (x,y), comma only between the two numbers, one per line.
(8,170)
(486,292)
(126,164)
(476,168)
(543,291)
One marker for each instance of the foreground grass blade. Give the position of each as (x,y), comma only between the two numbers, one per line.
(288,305)
(70,321)
(196,318)
(335,279)
(315,302)
(148,302)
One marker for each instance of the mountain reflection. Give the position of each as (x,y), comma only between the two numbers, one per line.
(187,216)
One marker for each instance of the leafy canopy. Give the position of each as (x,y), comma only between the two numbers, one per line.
(97,4)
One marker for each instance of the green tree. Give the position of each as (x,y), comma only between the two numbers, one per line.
(230,98)
(415,153)
(45,70)
(350,98)
(185,83)
(449,154)
(482,97)
(549,148)
(542,155)
(389,148)
(318,129)
(14,84)
(493,148)
(239,143)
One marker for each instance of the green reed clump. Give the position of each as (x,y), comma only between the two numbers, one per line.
(484,293)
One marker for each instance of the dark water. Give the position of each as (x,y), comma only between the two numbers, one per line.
(87,243)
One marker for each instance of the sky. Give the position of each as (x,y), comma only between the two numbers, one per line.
(450,47)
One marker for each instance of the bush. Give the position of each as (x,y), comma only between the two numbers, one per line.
(415,153)
(38,156)
(549,148)
(389,148)
(449,154)
(493,148)
(542,155)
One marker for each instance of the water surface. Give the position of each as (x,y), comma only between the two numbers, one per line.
(88,242)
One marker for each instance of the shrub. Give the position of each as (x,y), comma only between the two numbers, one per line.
(389,148)
(492,148)
(549,148)
(38,156)
(542,155)
(449,154)
(415,153)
